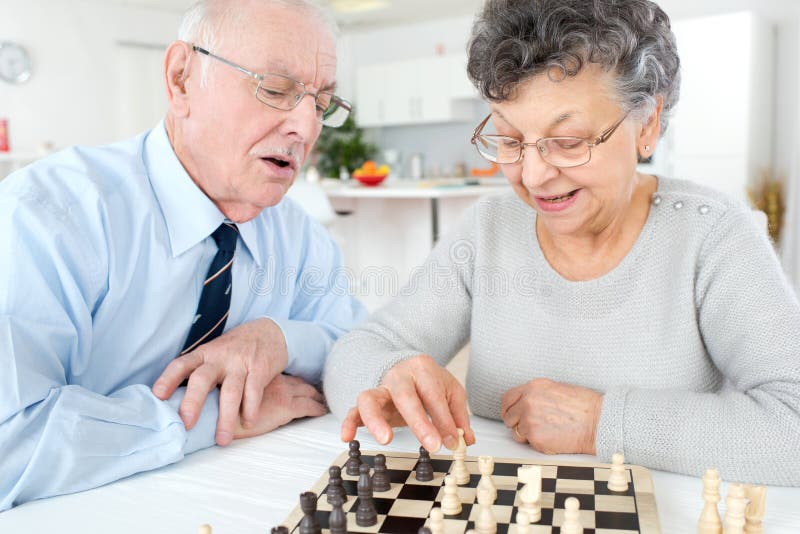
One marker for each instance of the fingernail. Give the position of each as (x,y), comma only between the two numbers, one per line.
(159,390)
(384,438)
(450,442)
(431,444)
(224,438)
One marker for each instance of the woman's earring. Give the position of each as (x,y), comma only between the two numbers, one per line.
(647,148)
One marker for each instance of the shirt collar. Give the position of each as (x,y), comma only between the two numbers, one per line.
(189,214)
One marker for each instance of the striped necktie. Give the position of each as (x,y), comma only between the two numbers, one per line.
(215,300)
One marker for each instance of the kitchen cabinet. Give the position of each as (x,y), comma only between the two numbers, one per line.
(420,91)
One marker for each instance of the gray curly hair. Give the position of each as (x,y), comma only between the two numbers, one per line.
(513,40)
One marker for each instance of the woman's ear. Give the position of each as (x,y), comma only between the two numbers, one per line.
(176,73)
(650,131)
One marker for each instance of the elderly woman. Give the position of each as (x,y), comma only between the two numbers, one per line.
(608,310)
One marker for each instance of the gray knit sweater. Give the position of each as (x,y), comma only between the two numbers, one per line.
(694,338)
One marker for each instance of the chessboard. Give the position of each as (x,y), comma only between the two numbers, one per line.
(406,506)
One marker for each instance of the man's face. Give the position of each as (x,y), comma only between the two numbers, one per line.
(242,153)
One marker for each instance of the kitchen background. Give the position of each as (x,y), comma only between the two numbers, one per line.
(96,78)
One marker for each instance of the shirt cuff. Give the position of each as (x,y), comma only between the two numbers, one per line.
(202,435)
(307,345)
(610,435)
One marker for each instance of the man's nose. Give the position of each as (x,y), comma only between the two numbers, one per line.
(302,122)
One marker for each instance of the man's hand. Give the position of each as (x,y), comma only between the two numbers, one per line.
(243,361)
(285,398)
(412,391)
(554,418)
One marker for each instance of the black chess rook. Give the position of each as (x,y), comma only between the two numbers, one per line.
(279,530)
(309,523)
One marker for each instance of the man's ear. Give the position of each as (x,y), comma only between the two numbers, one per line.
(176,72)
(650,131)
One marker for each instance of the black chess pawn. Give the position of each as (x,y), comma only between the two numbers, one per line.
(354,462)
(335,486)
(424,471)
(424,530)
(366,515)
(380,477)
(309,523)
(337,521)
(279,530)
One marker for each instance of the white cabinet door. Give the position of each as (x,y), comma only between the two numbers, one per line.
(370,102)
(432,90)
(458,82)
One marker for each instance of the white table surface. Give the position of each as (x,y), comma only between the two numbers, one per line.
(406,189)
(252,485)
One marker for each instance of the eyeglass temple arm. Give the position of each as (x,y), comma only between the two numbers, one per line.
(605,135)
(230,64)
(479,127)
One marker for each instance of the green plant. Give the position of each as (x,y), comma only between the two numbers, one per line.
(342,147)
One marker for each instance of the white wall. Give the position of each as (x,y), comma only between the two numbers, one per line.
(74,95)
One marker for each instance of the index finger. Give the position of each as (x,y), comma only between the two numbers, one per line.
(175,373)
(411,409)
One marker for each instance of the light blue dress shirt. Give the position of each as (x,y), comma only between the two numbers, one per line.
(103,252)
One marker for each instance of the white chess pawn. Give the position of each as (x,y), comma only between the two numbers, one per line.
(530,495)
(451,503)
(735,504)
(204,529)
(486,468)
(485,522)
(436,523)
(709,522)
(459,470)
(754,513)
(572,518)
(523,523)
(618,479)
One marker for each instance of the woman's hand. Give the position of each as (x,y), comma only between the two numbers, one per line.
(554,418)
(420,394)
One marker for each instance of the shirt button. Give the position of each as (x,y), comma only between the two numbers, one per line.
(678,205)
(656,200)
(703,209)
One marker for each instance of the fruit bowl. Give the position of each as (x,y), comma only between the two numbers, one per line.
(371,180)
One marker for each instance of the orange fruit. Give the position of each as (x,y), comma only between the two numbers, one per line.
(369,167)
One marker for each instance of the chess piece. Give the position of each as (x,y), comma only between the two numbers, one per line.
(380,478)
(451,503)
(710,523)
(735,504)
(530,495)
(279,530)
(337,521)
(486,468)
(523,522)
(366,515)
(309,523)
(618,479)
(424,530)
(459,470)
(424,472)
(335,486)
(572,518)
(754,513)
(436,523)
(485,522)
(204,529)
(354,461)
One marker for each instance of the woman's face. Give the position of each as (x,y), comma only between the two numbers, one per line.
(579,200)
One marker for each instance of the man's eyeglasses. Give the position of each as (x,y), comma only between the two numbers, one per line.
(281,92)
(563,152)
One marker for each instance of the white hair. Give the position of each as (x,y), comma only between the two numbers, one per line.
(202,22)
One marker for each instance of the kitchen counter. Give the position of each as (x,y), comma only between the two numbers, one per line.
(408,188)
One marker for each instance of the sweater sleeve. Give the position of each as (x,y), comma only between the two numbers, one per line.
(430,315)
(749,318)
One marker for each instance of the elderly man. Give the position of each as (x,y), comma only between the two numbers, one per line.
(122,266)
